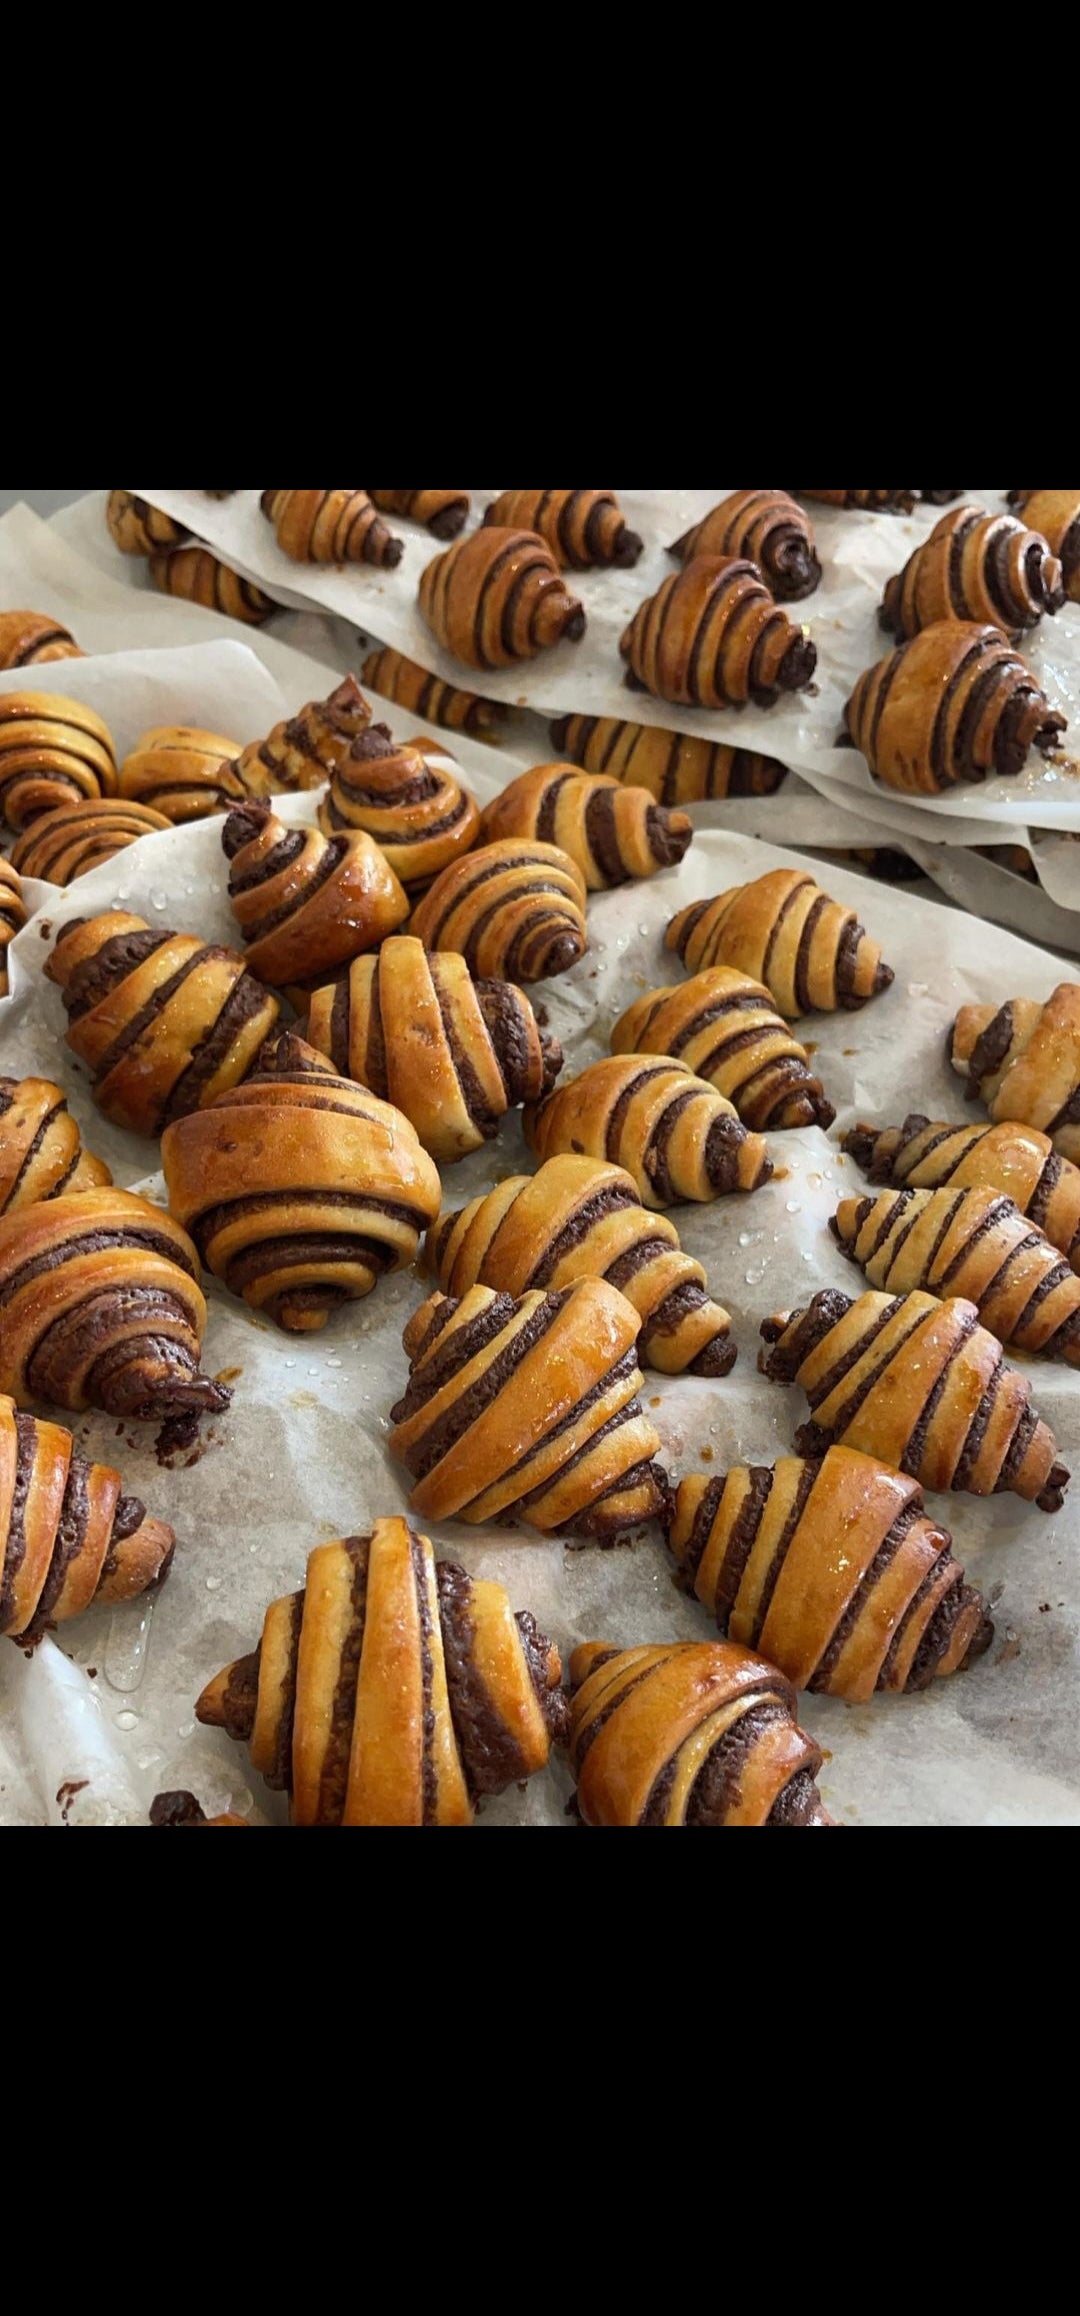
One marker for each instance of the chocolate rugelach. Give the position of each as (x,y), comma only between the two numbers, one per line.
(411,686)
(712,636)
(183,773)
(612,832)
(69,1539)
(1022,1060)
(497,597)
(331,527)
(724,1027)
(41,1150)
(444,513)
(139,528)
(879,502)
(769,529)
(302,751)
(810,952)
(32,638)
(52,751)
(306,904)
(1057,515)
(975,1244)
(476,908)
(13,915)
(197,576)
(74,838)
(675,767)
(409,797)
(674,1134)
(988,568)
(955,704)
(1018,1161)
(582,528)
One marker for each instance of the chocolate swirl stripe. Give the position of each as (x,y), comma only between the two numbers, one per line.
(689,1734)
(975,1244)
(331,527)
(769,529)
(1017,1161)
(724,1027)
(582,528)
(672,1132)
(396,678)
(409,799)
(445,513)
(975,566)
(676,767)
(303,751)
(713,637)
(954,704)
(68,1538)
(514,910)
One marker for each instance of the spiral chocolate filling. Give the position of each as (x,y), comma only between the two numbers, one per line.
(490,1754)
(334,1779)
(450,1357)
(246,1000)
(95,978)
(511,1032)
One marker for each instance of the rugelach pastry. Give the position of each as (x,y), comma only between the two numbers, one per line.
(1056,514)
(613,833)
(31,638)
(1022,1059)
(138,528)
(690,1733)
(330,527)
(675,767)
(955,704)
(987,568)
(582,528)
(768,527)
(1017,1161)
(879,502)
(498,597)
(13,915)
(514,910)
(197,576)
(408,795)
(675,1135)
(182,772)
(713,637)
(411,686)
(971,1243)
(444,512)
(69,1538)
(52,751)
(306,904)
(725,1028)
(75,838)
(41,1151)
(305,749)
(811,952)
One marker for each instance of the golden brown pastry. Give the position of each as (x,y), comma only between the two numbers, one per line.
(331,527)
(138,528)
(974,1244)
(712,637)
(725,1028)
(445,512)
(879,502)
(771,530)
(304,750)
(183,773)
(452,1053)
(31,638)
(1017,1161)
(811,952)
(674,1134)
(886,1608)
(162,1020)
(515,911)
(1022,1059)
(394,1690)
(582,528)
(409,797)
(69,1539)
(918,1383)
(579,1218)
(614,833)
(1056,514)
(675,767)
(300,1189)
(197,576)
(976,566)
(957,703)
(411,686)
(305,903)
(13,915)
(66,843)
(41,1151)
(689,1733)
(102,1307)
(52,751)
(498,597)
(182,1809)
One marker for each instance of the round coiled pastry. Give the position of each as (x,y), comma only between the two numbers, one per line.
(614,833)
(771,530)
(957,703)
(726,1029)
(67,843)
(975,566)
(444,512)
(672,1132)
(580,1218)
(408,796)
(305,903)
(452,1053)
(331,527)
(394,1690)
(52,751)
(32,638)
(162,1020)
(582,528)
(303,751)
(411,686)
(498,597)
(196,576)
(182,773)
(916,1382)
(102,1307)
(890,1611)
(975,1244)
(138,528)
(1056,515)
(1022,1059)
(41,1151)
(69,1538)
(300,1189)
(879,502)
(515,911)
(675,767)
(689,1733)
(529,1411)
(713,637)
(811,952)
(13,915)
(1017,1161)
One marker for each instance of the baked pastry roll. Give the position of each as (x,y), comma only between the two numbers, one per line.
(675,767)
(879,502)
(444,512)
(183,773)
(66,843)
(41,1152)
(957,703)
(614,833)
(306,904)
(452,1053)
(725,1028)
(579,1218)
(918,1383)
(197,576)
(1022,1059)
(163,1021)
(408,795)
(300,1189)
(31,638)
(1016,1161)
(672,1132)
(974,1244)
(529,1411)
(52,751)
(394,1690)
(304,750)
(331,527)
(975,566)
(13,915)
(498,597)
(69,1539)
(103,1308)
(1056,514)
(411,686)
(582,528)
(514,910)
(713,637)
(771,530)
(182,1809)
(810,951)
(689,1733)
(138,528)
